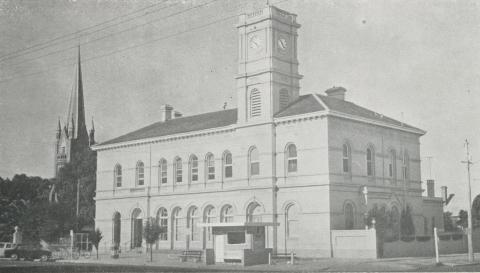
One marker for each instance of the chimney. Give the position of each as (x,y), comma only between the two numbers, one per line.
(166,112)
(444,193)
(430,188)
(177,114)
(336,92)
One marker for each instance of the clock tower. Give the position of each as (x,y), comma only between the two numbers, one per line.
(268,78)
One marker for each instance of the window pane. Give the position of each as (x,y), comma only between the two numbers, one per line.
(236,238)
(228,171)
(345,165)
(254,168)
(292,151)
(292,165)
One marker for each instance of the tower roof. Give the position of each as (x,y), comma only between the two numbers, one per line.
(76,108)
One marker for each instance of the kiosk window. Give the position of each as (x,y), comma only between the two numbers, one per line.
(236,238)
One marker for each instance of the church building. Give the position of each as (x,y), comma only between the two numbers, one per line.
(73,137)
(309,163)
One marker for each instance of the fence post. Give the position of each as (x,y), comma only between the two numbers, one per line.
(270,258)
(71,244)
(436,245)
(291,257)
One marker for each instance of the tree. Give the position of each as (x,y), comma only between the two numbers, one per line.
(406,222)
(448,222)
(462,218)
(96,236)
(151,233)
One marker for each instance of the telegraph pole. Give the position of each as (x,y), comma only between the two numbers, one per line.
(469,207)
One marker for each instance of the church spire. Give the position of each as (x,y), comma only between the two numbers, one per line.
(76,111)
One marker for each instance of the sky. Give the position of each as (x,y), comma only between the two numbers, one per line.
(414,60)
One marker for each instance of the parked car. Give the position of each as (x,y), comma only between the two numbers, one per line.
(28,252)
(4,246)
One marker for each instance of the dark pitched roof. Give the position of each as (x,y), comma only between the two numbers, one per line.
(180,125)
(350,108)
(304,104)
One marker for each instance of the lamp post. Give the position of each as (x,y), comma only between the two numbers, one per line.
(469,207)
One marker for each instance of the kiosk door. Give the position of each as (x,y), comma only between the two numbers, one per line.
(219,248)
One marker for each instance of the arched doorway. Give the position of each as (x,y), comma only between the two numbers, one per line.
(177,228)
(209,216)
(254,212)
(137,228)
(117,222)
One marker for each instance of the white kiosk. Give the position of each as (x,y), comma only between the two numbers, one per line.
(238,242)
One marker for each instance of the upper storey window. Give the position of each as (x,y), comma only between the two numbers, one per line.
(177,170)
(227,164)
(392,166)
(162,171)
(193,168)
(140,173)
(254,163)
(255,103)
(284,98)
(405,167)
(291,159)
(210,166)
(117,173)
(346,158)
(370,162)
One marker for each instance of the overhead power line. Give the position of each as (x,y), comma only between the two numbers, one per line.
(115,33)
(54,68)
(34,48)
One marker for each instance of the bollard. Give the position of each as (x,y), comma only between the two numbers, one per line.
(269,258)
(291,257)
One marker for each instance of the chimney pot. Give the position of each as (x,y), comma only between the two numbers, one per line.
(166,112)
(431,188)
(336,92)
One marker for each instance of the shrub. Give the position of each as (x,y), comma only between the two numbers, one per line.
(423,238)
(407,238)
(457,236)
(445,237)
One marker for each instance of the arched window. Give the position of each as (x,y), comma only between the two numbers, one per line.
(405,166)
(162,218)
(284,98)
(162,171)
(254,212)
(137,228)
(193,163)
(209,217)
(210,166)
(193,217)
(117,173)
(177,170)
(291,159)
(226,215)
(395,220)
(349,216)
(117,223)
(140,173)
(291,221)
(392,166)
(177,224)
(254,164)
(227,164)
(255,103)
(346,158)
(370,161)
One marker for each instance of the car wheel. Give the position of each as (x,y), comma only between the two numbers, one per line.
(14,257)
(44,258)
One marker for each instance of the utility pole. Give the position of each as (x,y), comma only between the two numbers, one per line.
(469,207)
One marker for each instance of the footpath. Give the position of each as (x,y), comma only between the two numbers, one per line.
(449,263)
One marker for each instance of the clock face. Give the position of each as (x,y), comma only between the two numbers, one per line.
(282,44)
(255,43)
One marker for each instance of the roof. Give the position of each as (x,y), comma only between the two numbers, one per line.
(180,125)
(304,104)
(351,108)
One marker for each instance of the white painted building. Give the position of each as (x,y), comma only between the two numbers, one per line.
(303,161)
